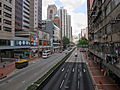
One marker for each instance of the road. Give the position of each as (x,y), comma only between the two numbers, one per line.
(21,79)
(72,75)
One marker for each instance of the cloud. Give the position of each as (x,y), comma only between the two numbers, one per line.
(70,5)
(79,19)
(44,7)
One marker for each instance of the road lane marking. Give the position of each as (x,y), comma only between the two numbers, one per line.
(65,75)
(78,84)
(84,70)
(108,84)
(62,69)
(66,87)
(80,74)
(73,69)
(61,84)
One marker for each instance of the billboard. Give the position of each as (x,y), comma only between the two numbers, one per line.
(34,39)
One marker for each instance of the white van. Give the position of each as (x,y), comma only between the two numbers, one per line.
(44,55)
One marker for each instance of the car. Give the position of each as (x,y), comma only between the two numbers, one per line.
(45,55)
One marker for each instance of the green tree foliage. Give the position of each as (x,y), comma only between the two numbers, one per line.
(66,41)
(83,43)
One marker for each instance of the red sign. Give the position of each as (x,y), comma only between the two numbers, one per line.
(44,43)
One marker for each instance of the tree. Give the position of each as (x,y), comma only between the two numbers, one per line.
(66,41)
(83,43)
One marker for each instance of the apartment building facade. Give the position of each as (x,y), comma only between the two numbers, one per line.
(51,12)
(7,19)
(36,15)
(104,35)
(7,27)
(62,13)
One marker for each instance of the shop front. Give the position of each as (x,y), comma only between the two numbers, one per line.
(6,55)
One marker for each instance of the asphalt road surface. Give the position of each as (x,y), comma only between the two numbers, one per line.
(21,79)
(72,75)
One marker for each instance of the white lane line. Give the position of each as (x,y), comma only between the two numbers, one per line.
(80,74)
(73,70)
(66,87)
(84,70)
(78,84)
(65,75)
(62,69)
(61,84)
(108,84)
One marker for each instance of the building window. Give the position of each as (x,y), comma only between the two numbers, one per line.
(7,29)
(10,1)
(4,42)
(26,26)
(51,11)
(0,20)
(26,4)
(7,15)
(0,12)
(26,21)
(0,27)
(7,22)
(7,8)
(26,13)
(0,4)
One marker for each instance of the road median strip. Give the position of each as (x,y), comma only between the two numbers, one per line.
(46,76)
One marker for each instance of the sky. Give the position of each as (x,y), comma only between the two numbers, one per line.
(76,8)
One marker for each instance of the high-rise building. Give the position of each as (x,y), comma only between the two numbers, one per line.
(65,19)
(22,17)
(54,32)
(104,36)
(7,28)
(62,13)
(51,11)
(26,15)
(71,35)
(7,21)
(84,33)
(57,21)
(18,15)
(35,14)
(68,32)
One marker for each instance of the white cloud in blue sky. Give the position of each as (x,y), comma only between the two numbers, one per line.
(76,8)
(58,3)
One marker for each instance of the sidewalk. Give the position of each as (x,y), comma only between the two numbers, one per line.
(9,67)
(6,69)
(101,82)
